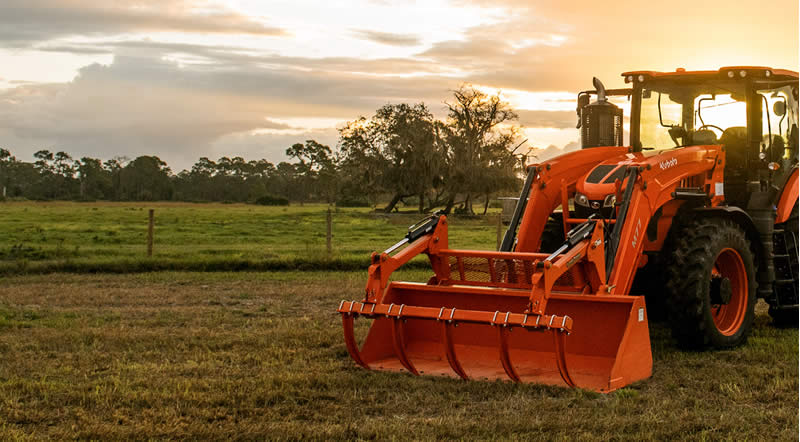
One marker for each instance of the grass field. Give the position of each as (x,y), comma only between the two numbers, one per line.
(111,237)
(260,355)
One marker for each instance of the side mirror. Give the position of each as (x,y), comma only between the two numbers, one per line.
(779,108)
(583,100)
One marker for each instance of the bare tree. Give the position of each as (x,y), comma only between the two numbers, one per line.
(479,136)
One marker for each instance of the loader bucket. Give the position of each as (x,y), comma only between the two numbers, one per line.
(596,342)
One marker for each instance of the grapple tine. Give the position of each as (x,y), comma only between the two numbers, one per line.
(504,355)
(560,341)
(350,340)
(400,346)
(450,350)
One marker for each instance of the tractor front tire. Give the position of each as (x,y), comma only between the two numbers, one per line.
(553,234)
(710,287)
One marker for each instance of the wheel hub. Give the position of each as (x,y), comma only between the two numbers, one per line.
(728,291)
(721,291)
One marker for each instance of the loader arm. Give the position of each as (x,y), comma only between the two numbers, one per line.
(546,190)
(689,175)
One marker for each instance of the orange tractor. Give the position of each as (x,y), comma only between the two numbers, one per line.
(694,220)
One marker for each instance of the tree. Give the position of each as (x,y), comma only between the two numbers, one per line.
(147,178)
(95,181)
(56,176)
(283,182)
(399,150)
(114,168)
(43,163)
(7,162)
(479,157)
(315,167)
(63,165)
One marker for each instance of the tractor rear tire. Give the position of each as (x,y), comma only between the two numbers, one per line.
(710,255)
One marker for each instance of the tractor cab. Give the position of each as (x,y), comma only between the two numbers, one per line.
(751,111)
(750,114)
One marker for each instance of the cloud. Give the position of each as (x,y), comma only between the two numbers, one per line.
(388,38)
(144,104)
(134,106)
(24,23)
(554,119)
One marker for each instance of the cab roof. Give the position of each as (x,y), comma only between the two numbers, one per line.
(760,72)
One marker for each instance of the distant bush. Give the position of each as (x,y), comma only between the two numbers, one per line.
(269,200)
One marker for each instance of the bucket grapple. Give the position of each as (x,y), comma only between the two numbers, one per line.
(494,315)
(567,316)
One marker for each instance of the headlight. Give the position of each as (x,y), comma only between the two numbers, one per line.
(581,199)
(610,200)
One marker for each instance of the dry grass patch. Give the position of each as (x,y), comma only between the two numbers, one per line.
(260,355)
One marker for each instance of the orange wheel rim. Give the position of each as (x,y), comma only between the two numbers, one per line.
(728,318)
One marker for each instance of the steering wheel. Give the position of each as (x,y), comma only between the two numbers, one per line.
(721,130)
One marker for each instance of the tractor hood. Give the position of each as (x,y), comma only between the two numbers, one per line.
(598,187)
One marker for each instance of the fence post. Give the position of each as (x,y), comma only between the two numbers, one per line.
(150,225)
(329,232)
(499,230)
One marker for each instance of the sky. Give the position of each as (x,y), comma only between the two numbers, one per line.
(182,79)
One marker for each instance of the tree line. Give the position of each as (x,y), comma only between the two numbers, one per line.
(400,154)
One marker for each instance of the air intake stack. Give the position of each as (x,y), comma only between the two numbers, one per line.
(601,121)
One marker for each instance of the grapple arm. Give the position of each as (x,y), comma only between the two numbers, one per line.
(425,236)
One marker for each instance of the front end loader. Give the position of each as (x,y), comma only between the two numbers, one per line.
(557,304)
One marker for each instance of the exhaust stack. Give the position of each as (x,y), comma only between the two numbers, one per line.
(601,121)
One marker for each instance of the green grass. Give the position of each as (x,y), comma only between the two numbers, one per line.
(260,355)
(39,237)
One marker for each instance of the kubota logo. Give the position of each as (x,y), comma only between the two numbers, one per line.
(668,163)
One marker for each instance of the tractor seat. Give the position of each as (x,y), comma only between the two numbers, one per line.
(735,141)
(733,137)
(704,137)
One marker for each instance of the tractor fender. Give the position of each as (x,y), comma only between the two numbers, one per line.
(745,221)
(788,198)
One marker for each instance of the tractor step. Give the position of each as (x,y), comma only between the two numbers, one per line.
(785,293)
(689,193)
